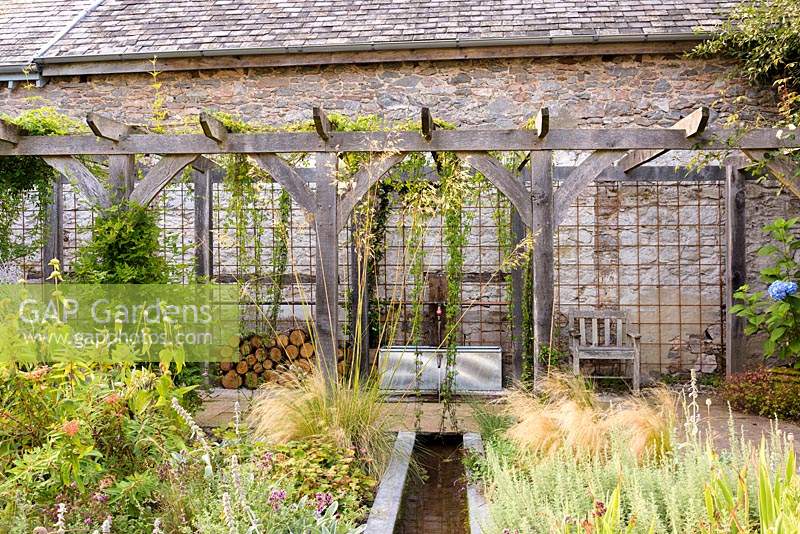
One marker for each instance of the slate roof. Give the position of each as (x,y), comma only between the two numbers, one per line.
(119,27)
(28,25)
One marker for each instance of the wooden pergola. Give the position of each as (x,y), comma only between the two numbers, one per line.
(617,155)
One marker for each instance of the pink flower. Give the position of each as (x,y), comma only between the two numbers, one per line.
(266,461)
(276,498)
(323,501)
(71,428)
(599,509)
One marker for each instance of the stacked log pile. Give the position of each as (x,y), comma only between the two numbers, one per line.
(275,359)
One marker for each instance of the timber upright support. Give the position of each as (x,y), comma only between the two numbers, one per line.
(203,209)
(326,311)
(54,245)
(735,267)
(543,255)
(517,293)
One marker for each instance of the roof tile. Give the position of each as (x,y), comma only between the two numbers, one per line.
(163,25)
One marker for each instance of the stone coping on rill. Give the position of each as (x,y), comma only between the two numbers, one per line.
(386,508)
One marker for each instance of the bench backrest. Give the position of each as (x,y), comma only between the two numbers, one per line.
(599,328)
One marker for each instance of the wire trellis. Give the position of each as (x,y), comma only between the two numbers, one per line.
(654,249)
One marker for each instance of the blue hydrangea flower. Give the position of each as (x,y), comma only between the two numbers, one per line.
(780,289)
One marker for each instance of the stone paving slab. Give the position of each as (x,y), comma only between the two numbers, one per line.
(218,410)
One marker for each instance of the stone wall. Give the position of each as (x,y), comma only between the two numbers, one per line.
(678,301)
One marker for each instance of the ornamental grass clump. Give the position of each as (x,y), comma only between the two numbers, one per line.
(309,407)
(688,486)
(569,416)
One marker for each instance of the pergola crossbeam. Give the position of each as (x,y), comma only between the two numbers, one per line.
(213,128)
(542,122)
(321,123)
(427,125)
(107,128)
(692,125)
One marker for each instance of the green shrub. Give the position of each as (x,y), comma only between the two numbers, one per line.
(764,392)
(124,249)
(776,312)
(86,436)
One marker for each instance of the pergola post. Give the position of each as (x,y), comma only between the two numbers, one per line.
(326,310)
(203,209)
(517,291)
(54,239)
(735,267)
(121,171)
(543,262)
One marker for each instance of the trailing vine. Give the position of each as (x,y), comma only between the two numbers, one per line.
(245,218)
(280,254)
(21,176)
(417,196)
(457,189)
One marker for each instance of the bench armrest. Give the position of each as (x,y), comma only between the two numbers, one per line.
(635,335)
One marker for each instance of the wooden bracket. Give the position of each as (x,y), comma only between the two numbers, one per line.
(428,125)
(368,175)
(108,128)
(77,174)
(582,176)
(502,179)
(159,176)
(542,122)
(213,128)
(322,124)
(693,124)
(9,132)
(288,178)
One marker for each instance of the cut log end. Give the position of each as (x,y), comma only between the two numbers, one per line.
(231,380)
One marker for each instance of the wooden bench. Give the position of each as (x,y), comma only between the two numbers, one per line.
(604,335)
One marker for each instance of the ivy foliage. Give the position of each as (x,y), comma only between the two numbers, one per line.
(123,250)
(22,175)
(765,38)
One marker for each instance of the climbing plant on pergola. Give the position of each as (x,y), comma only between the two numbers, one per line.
(617,154)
